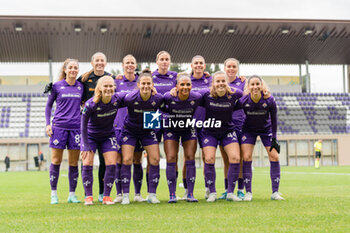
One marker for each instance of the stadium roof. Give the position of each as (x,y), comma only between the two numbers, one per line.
(281,41)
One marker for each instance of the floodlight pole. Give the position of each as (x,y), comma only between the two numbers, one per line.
(308,88)
(50,70)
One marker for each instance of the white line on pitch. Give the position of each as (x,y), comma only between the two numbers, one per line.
(314,173)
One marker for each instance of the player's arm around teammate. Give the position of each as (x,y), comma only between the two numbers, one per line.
(138,102)
(65,130)
(181,109)
(219,103)
(97,132)
(261,120)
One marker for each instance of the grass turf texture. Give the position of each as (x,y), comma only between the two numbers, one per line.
(316,201)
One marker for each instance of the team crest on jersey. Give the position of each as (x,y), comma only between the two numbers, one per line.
(125,138)
(206,141)
(244,138)
(56,142)
(237,83)
(171,76)
(173,102)
(98,109)
(153,103)
(169,135)
(154,76)
(264,105)
(122,83)
(136,103)
(247,105)
(115,103)
(61,87)
(206,81)
(192,102)
(79,88)
(229,97)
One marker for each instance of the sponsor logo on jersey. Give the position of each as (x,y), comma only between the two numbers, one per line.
(151,120)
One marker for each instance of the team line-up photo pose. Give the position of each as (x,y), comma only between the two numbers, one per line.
(104,113)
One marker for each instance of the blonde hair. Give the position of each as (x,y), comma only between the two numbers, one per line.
(264,86)
(212,87)
(86,75)
(129,55)
(162,52)
(183,75)
(62,74)
(197,56)
(98,89)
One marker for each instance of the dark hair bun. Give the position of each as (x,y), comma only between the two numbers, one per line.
(146,71)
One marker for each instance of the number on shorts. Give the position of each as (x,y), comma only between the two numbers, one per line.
(77,138)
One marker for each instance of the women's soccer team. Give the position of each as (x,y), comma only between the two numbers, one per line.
(104,113)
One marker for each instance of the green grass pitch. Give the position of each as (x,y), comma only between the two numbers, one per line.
(316,201)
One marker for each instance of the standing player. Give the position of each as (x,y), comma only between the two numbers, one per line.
(65,130)
(231,68)
(138,102)
(261,120)
(181,108)
(127,84)
(89,80)
(97,132)
(219,103)
(318,150)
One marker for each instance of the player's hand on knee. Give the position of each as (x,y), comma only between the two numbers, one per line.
(275,145)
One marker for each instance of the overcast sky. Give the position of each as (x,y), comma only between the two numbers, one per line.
(297,9)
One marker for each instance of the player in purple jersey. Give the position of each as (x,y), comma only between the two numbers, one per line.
(261,120)
(89,80)
(138,102)
(127,84)
(97,132)
(181,109)
(231,68)
(220,103)
(65,130)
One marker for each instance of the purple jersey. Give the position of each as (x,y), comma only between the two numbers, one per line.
(180,110)
(238,116)
(136,106)
(97,119)
(164,82)
(200,85)
(221,108)
(68,100)
(123,86)
(261,117)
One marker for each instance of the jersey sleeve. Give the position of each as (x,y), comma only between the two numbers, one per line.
(273,115)
(86,114)
(52,97)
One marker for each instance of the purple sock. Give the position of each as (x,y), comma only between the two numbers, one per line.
(88,180)
(184,180)
(247,175)
(137,177)
(226,185)
(147,181)
(190,175)
(153,178)
(73,174)
(54,174)
(232,176)
(125,176)
(240,183)
(171,177)
(118,183)
(210,176)
(275,175)
(108,180)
